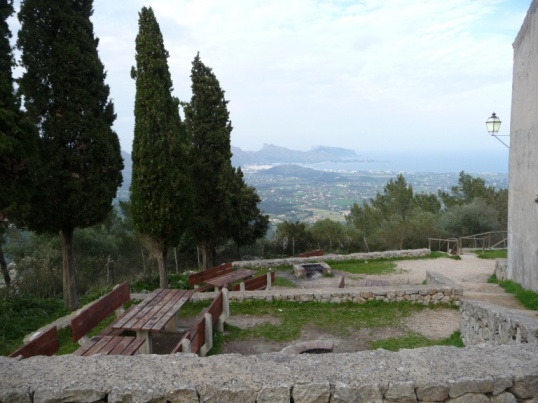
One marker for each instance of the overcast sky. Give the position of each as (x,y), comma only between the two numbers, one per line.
(369,75)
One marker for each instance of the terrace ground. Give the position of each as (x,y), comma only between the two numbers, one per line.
(470,273)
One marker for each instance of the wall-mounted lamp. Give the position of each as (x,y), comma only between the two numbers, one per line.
(494,124)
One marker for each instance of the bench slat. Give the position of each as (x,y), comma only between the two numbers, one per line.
(44,344)
(202,276)
(172,309)
(98,311)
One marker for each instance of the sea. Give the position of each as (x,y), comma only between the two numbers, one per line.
(472,162)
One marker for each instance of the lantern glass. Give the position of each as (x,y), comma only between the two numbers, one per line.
(493,124)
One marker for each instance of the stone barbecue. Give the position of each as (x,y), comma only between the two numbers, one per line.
(310,270)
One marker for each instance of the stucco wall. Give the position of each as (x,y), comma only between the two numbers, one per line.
(523,177)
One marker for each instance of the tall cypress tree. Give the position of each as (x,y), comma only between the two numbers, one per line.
(209,127)
(247,223)
(18,137)
(67,99)
(160,191)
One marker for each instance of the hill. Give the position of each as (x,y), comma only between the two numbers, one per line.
(271,154)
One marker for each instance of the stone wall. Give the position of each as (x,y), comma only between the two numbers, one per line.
(487,323)
(473,374)
(411,253)
(422,294)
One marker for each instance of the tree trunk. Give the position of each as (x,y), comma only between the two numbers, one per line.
(3,267)
(69,280)
(207,255)
(163,270)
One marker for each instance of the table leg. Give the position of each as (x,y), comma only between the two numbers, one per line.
(173,324)
(147,347)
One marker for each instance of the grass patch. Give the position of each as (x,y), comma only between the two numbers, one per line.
(338,319)
(379,266)
(527,297)
(21,315)
(284,282)
(415,340)
(492,254)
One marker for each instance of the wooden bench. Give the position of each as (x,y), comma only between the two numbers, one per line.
(256,283)
(98,311)
(45,343)
(313,253)
(199,338)
(201,277)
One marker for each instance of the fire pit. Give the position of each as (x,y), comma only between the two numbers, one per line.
(309,270)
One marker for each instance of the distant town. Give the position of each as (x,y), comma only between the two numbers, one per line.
(291,190)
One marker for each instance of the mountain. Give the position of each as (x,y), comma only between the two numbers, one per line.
(271,154)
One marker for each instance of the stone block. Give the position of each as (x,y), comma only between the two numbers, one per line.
(470,385)
(504,397)
(401,392)
(432,392)
(312,392)
(525,386)
(274,394)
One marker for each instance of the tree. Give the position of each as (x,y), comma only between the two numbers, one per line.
(209,128)
(160,190)
(18,146)
(397,198)
(66,97)
(247,221)
(292,237)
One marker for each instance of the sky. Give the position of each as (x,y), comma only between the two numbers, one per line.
(368,75)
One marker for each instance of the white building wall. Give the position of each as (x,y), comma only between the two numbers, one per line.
(523,171)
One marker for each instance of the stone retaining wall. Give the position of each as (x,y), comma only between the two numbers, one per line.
(423,294)
(487,323)
(442,374)
(411,253)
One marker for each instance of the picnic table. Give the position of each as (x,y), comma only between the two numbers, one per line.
(156,313)
(223,281)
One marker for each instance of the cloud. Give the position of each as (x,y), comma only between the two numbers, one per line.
(357,74)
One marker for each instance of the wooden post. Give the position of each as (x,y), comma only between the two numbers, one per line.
(268,281)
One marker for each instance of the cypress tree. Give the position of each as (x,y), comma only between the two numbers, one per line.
(248,223)
(160,195)
(17,140)
(209,127)
(66,97)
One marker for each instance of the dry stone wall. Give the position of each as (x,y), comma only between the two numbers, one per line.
(422,294)
(483,373)
(411,253)
(487,323)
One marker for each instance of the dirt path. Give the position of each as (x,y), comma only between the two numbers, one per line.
(471,273)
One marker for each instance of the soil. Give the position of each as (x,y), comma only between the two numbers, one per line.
(471,273)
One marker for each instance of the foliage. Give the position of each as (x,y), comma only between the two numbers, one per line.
(208,125)
(333,236)
(66,97)
(473,218)
(291,238)
(18,142)
(160,186)
(399,219)
(23,314)
(247,221)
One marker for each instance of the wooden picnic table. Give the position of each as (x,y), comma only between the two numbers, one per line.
(156,313)
(223,281)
